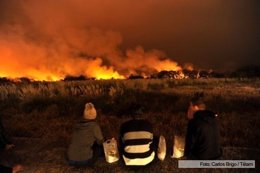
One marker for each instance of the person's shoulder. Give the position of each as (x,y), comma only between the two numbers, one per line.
(204,113)
(137,121)
(86,123)
(94,123)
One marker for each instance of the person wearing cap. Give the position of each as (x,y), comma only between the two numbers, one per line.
(87,139)
(203,137)
(136,139)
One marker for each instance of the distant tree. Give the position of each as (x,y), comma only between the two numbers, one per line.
(190,73)
(164,74)
(4,80)
(216,74)
(135,77)
(204,74)
(168,75)
(75,78)
(25,80)
(247,71)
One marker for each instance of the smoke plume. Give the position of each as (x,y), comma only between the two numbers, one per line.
(47,40)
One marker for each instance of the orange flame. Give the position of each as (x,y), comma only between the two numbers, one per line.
(44,40)
(15,66)
(23,58)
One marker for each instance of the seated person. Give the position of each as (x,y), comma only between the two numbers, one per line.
(87,139)
(136,139)
(203,137)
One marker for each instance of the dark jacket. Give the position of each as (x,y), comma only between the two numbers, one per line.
(3,139)
(136,142)
(4,169)
(86,133)
(203,138)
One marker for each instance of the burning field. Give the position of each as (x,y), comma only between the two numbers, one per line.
(48,40)
(49,46)
(93,52)
(51,50)
(40,116)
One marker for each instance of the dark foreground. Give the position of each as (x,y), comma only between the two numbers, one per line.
(40,118)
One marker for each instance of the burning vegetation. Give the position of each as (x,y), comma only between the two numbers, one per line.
(48,41)
(243,72)
(92,57)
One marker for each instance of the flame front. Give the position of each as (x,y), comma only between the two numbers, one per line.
(34,65)
(20,60)
(50,52)
(49,46)
(91,68)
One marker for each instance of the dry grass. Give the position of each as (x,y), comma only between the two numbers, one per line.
(40,117)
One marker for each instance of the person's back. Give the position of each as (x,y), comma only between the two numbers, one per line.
(136,142)
(87,139)
(203,136)
(85,134)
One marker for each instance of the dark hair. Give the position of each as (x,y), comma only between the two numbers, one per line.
(198,99)
(136,110)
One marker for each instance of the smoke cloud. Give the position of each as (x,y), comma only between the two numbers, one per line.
(47,40)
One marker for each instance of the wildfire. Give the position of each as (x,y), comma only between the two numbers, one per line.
(49,55)
(167,65)
(94,68)
(90,68)
(20,59)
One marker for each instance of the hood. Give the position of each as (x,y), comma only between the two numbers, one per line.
(205,115)
(81,124)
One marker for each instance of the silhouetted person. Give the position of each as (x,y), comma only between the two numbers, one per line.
(203,137)
(5,144)
(14,169)
(87,139)
(137,140)
(4,141)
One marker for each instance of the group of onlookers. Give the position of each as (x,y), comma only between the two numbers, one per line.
(137,142)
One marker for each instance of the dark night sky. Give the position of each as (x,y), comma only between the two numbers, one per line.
(218,34)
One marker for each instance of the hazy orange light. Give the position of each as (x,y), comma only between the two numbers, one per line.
(100,74)
(20,58)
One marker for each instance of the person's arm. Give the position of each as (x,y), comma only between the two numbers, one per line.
(190,139)
(121,142)
(4,169)
(98,135)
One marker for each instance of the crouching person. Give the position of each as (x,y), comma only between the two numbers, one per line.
(87,139)
(136,140)
(203,137)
